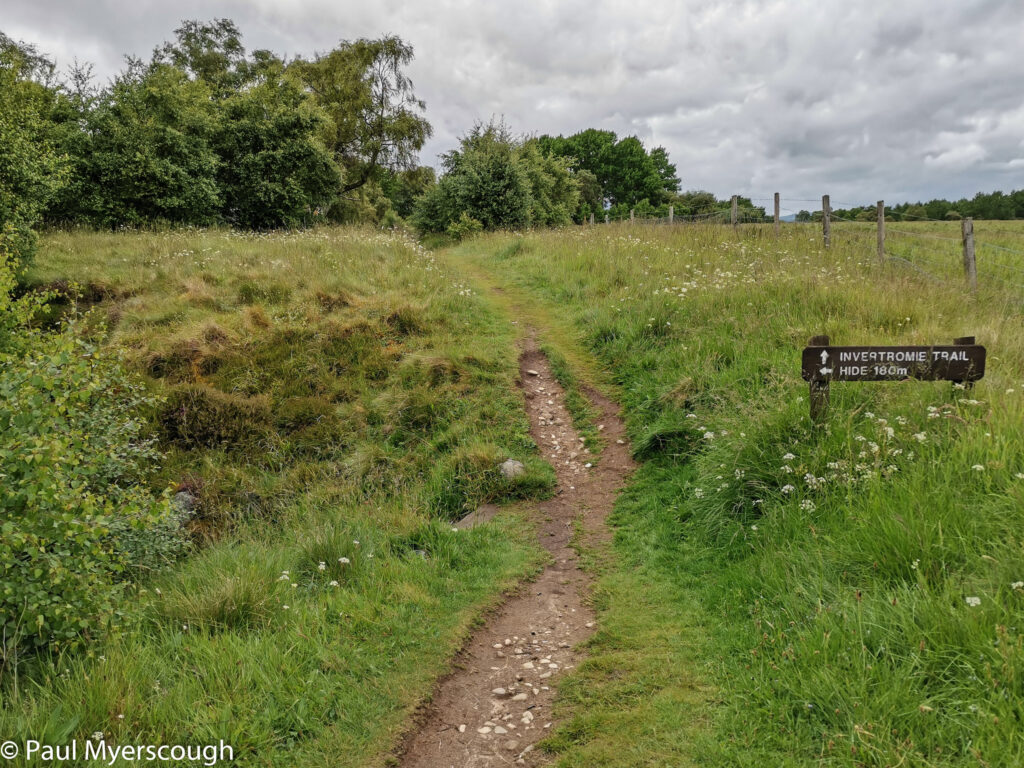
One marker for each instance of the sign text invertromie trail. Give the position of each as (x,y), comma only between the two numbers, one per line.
(962,361)
(948,363)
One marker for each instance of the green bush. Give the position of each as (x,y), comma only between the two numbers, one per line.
(466,226)
(76,517)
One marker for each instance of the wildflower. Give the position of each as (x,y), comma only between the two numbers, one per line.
(913,565)
(355,542)
(294,585)
(786,469)
(788,489)
(974,602)
(709,435)
(753,527)
(978,468)
(920,437)
(890,432)
(284,607)
(344,560)
(807,505)
(1019,475)
(698,493)
(788,457)
(97,736)
(369,556)
(157,590)
(334,583)
(322,566)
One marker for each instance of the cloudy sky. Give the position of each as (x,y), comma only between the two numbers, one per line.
(864,100)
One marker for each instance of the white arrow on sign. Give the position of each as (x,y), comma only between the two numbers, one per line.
(824,357)
(825,371)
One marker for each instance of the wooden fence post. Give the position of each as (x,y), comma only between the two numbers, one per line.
(631,215)
(591,219)
(776,214)
(671,213)
(735,210)
(606,218)
(970,265)
(819,389)
(826,221)
(881,232)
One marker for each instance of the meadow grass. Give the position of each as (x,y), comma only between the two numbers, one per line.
(783,594)
(333,400)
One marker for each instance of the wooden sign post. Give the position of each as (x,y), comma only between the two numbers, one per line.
(962,362)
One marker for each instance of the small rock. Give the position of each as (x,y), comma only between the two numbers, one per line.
(184,501)
(462,728)
(499,730)
(511,745)
(519,697)
(533,372)
(484,729)
(512,468)
(499,691)
(528,665)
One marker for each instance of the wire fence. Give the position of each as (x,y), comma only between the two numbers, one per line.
(985,257)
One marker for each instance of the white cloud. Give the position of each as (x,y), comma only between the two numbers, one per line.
(862,100)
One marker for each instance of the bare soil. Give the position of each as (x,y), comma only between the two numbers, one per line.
(497,703)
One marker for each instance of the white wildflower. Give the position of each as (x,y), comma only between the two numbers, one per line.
(973,602)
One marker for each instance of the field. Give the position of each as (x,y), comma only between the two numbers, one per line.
(776,593)
(334,400)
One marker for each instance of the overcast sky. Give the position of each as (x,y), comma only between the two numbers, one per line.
(864,100)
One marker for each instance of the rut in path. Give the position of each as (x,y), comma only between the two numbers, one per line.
(496,705)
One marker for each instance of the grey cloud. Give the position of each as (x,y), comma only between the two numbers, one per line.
(862,100)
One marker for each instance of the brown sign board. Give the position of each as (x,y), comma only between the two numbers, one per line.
(961,362)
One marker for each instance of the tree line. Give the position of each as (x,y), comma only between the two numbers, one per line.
(205,132)
(984,205)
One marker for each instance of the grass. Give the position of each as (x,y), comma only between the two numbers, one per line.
(333,400)
(783,594)
(777,594)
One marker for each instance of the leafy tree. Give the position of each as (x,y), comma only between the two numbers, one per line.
(211,52)
(273,171)
(32,172)
(500,181)
(146,154)
(374,119)
(403,187)
(624,169)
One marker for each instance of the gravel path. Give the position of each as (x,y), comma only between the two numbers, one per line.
(496,705)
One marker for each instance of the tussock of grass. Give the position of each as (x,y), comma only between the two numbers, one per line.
(857,586)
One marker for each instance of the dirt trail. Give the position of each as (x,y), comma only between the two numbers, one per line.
(496,705)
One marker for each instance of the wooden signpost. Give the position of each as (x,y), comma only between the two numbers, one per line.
(963,362)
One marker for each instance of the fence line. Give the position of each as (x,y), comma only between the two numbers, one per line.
(734,215)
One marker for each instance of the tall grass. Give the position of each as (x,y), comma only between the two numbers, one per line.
(334,399)
(858,587)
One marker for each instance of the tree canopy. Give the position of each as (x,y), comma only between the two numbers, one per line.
(206,132)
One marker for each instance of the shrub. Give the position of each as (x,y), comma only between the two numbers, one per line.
(465,227)
(76,515)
